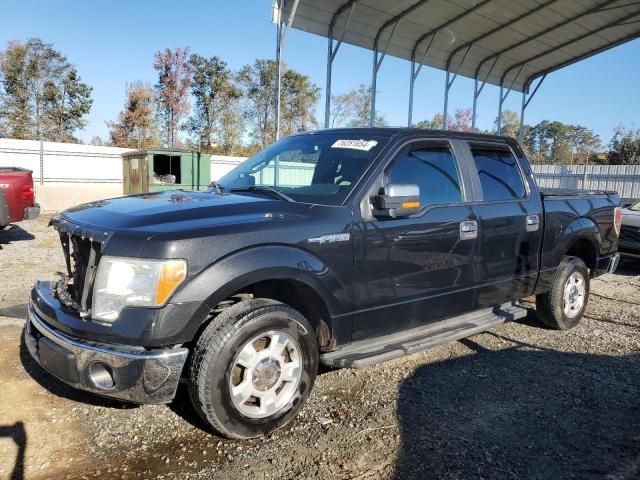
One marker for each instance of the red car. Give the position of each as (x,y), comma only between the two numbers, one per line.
(17,200)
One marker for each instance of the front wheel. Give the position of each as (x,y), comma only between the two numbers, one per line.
(252,368)
(562,307)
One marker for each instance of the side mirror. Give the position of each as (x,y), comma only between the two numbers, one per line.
(398,200)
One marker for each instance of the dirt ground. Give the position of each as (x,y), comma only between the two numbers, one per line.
(519,401)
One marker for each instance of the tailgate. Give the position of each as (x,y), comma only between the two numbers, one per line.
(17,186)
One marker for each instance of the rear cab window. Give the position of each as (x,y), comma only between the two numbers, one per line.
(500,176)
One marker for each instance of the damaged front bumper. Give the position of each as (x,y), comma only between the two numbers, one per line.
(128,373)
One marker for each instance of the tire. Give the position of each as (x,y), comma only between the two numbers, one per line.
(223,359)
(562,307)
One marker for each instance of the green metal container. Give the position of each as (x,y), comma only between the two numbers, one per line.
(160,169)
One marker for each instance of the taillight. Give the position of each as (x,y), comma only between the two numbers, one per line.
(617,219)
(27,193)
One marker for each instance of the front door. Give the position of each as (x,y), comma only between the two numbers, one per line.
(411,271)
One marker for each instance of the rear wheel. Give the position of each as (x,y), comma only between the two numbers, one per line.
(562,307)
(252,368)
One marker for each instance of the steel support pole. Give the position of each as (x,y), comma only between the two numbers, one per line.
(474,111)
(327,101)
(332,52)
(374,80)
(499,121)
(412,83)
(445,113)
(281,38)
(278,63)
(525,104)
(522,107)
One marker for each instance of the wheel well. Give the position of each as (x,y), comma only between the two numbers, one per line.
(586,251)
(299,296)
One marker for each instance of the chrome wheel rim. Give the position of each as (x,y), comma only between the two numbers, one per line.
(574,295)
(265,374)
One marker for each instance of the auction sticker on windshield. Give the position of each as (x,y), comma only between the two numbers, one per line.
(364,145)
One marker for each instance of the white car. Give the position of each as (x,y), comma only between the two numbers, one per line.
(629,243)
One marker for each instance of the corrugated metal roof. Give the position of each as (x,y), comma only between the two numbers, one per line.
(521,39)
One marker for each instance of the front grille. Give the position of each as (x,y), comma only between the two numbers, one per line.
(82,255)
(629,234)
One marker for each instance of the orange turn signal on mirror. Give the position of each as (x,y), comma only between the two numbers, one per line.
(171,275)
(410,204)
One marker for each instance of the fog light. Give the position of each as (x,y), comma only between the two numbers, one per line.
(102,376)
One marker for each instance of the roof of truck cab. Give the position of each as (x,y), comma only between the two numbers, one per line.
(412,132)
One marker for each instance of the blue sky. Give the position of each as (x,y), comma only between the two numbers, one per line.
(113,42)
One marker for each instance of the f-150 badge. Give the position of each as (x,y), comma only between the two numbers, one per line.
(334,237)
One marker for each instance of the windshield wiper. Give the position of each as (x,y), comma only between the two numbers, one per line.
(264,189)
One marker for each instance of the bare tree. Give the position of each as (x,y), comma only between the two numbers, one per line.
(174,76)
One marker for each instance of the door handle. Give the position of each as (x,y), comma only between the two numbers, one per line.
(533,223)
(468,230)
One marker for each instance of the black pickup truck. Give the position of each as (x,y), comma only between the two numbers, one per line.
(341,247)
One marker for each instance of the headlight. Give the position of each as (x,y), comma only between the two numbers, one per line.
(123,282)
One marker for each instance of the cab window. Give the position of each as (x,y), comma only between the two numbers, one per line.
(433,169)
(499,173)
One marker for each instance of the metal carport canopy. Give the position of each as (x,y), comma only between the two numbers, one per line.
(508,43)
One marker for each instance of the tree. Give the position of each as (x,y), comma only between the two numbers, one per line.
(583,143)
(436,122)
(343,108)
(42,94)
(214,93)
(624,148)
(97,141)
(258,84)
(362,115)
(556,142)
(298,97)
(66,104)
(135,127)
(510,124)
(174,74)
(298,100)
(462,120)
(353,109)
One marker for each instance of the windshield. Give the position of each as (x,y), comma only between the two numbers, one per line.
(635,207)
(316,168)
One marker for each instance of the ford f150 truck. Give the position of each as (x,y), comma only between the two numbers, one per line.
(341,247)
(16,196)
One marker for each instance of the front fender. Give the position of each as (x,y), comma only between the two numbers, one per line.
(233,272)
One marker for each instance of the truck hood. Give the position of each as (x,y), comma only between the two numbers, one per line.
(137,218)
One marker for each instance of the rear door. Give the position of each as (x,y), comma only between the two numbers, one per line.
(509,223)
(412,271)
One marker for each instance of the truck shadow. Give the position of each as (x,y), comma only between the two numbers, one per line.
(628,267)
(522,412)
(59,388)
(18,434)
(14,233)
(15,311)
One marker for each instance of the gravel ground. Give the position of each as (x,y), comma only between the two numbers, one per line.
(519,401)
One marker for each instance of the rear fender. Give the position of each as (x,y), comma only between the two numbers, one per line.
(556,246)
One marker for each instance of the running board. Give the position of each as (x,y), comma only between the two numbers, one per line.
(364,353)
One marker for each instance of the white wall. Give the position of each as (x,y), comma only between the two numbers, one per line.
(221,164)
(75,174)
(64,162)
